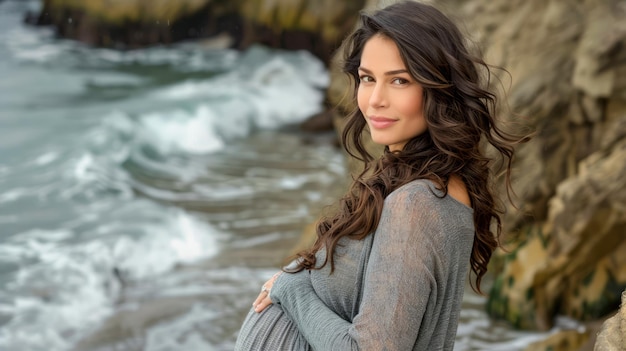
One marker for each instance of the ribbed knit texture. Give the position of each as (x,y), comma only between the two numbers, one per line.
(399,289)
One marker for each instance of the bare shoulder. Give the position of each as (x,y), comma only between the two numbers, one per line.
(458,190)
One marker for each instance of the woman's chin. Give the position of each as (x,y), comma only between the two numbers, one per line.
(380,141)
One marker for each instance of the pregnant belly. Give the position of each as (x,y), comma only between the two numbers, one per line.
(271,330)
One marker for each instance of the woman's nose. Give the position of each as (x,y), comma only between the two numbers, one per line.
(379,96)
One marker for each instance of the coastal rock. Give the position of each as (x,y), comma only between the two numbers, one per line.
(580,270)
(316,26)
(612,336)
(514,283)
(568,78)
(568,340)
(128,24)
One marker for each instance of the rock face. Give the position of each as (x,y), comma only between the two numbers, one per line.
(565,341)
(567,64)
(127,24)
(569,73)
(316,26)
(612,337)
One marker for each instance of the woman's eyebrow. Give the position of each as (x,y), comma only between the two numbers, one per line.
(389,73)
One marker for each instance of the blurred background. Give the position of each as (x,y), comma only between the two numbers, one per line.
(160,159)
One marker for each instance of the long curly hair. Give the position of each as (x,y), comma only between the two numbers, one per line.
(460,114)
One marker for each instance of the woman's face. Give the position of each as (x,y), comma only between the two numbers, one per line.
(389,98)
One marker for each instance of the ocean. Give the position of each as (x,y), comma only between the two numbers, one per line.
(146,195)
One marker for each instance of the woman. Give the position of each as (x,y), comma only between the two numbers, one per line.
(388,269)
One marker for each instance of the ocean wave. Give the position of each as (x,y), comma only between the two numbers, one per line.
(265,91)
(66,286)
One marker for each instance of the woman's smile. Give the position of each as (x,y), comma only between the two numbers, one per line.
(388,96)
(379,122)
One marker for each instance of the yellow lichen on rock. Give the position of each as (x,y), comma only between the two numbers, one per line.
(330,18)
(118,11)
(511,295)
(595,291)
(567,340)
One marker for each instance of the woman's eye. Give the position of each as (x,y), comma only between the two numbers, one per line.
(399,81)
(366,79)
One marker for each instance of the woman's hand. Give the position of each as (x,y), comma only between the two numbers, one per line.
(263,300)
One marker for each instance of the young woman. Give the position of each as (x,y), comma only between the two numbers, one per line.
(388,269)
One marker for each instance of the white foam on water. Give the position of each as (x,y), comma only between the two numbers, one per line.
(181,131)
(85,168)
(296,182)
(286,93)
(46,158)
(161,251)
(65,286)
(43,235)
(185,57)
(89,175)
(32,44)
(93,167)
(178,334)
(54,298)
(13,194)
(265,90)
(40,45)
(114,132)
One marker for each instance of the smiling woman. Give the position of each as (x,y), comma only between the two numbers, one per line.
(389,98)
(388,269)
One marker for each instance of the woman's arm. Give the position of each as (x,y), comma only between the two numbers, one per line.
(399,283)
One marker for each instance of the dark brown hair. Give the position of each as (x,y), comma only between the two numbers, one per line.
(460,114)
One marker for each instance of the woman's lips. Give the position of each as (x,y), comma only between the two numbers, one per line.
(381,122)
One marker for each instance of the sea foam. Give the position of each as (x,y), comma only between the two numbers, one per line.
(67,286)
(266,90)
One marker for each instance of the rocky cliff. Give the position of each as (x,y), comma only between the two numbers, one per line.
(568,68)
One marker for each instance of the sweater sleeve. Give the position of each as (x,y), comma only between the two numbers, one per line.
(399,283)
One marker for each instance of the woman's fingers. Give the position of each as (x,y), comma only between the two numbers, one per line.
(262,304)
(259,298)
(263,300)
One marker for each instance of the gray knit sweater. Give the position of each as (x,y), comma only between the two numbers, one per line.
(398,289)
